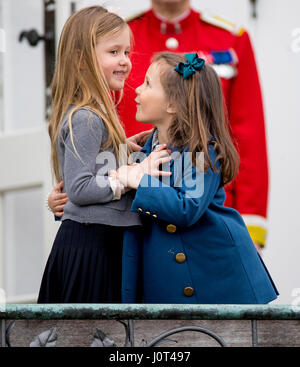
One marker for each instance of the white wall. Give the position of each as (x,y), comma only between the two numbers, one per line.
(278,54)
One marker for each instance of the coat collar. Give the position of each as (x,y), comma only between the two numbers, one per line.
(177,26)
(147,148)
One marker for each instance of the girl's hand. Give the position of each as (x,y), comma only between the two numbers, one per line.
(57,200)
(137,139)
(130,176)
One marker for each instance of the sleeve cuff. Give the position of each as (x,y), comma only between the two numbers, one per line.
(117,187)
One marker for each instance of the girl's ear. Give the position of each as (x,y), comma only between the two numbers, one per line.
(171,108)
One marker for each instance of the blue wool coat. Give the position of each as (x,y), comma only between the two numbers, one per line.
(191,249)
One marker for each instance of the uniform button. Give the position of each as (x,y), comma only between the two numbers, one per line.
(188,291)
(180,257)
(147,212)
(172,43)
(154,215)
(171,228)
(140,210)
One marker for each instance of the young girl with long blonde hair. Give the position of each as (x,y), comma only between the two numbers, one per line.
(86,138)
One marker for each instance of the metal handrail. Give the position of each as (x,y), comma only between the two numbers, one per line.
(132,312)
(149,312)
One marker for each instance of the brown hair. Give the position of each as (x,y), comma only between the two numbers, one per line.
(200,114)
(78,80)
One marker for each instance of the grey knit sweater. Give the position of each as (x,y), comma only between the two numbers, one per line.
(85,173)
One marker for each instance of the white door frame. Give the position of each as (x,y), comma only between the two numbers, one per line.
(21,167)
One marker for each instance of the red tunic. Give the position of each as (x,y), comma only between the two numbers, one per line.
(237,69)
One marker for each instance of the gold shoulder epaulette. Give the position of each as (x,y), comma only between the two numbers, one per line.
(135,16)
(222,23)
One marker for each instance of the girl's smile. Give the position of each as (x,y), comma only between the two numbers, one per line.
(119,74)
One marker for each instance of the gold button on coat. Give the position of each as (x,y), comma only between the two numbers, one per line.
(180,257)
(140,210)
(171,228)
(188,291)
(147,212)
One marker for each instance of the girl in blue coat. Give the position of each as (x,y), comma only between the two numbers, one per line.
(192,249)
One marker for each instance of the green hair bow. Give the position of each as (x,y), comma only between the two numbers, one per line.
(187,69)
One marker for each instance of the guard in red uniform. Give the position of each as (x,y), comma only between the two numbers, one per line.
(229,50)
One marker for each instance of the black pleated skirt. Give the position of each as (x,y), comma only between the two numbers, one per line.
(84,265)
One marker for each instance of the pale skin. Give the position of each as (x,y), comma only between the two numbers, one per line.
(170,9)
(152,107)
(149,110)
(57,199)
(113,57)
(129,175)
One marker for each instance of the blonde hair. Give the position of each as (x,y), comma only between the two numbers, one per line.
(200,116)
(78,79)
